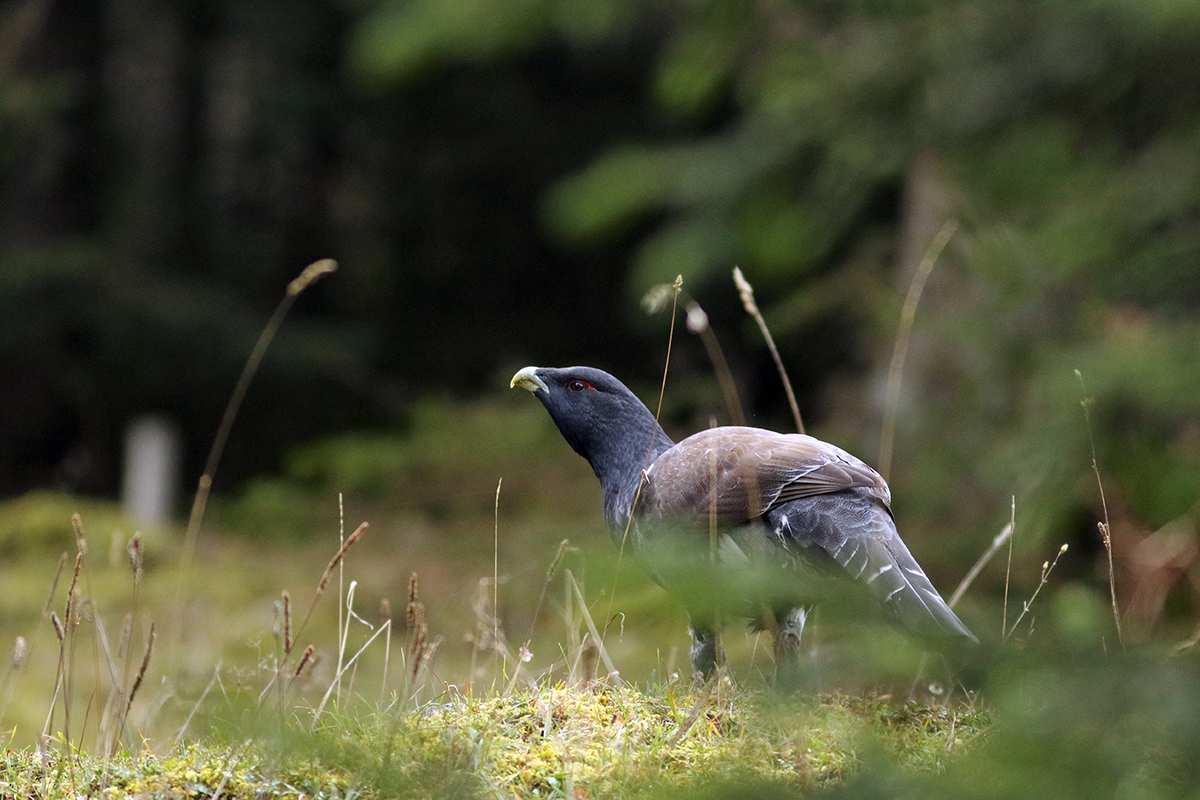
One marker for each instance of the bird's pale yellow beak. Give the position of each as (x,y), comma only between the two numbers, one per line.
(527,378)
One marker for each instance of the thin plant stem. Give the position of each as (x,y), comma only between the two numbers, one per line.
(908,315)
(676,288)
(496,575)
(1104,527)
(341,567)
(1047,568)
(334,562)
(697,323)
(591,625)
(1008,572)
(662,389)
(747,293)
(309,275)
(987,556)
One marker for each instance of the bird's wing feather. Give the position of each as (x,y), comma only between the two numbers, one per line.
(860,536)
(738,473)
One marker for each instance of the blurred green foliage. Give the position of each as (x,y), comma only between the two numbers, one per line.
(163,182)
(450,461)
(39,524)
(833,140)
(166,170)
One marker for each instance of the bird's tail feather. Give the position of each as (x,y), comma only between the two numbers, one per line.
(860,536)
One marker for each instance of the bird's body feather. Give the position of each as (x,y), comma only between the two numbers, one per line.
(739,473)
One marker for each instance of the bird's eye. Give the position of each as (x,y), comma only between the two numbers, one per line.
(577,385)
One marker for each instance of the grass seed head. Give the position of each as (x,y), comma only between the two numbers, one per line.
(287,622)
(80,539)
(305,659)
(311,274)
(134,548)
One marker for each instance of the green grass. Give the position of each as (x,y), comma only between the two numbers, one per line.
(225,710)
(1048,722)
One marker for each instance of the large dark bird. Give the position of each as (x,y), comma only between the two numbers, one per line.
(741,520)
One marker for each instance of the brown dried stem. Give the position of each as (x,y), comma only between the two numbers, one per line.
(747,293)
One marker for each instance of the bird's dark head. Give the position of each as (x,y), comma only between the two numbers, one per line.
(599,417)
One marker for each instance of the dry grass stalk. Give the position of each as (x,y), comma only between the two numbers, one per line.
(126,634)
(62,565)
(141,673)
(66,661)
(697,322)
(61,632)
(134,549)
(1104,527)
(20,653)
(287,623)
(413,608)
(1047,568)
(341,553)
(341,568)
(342,665)
(673,293)
(351,664)
(307,277)
(311,274)
(908,315)
(70,611)
(575,592)
(112,719)
(983,561)
(496,568)
(676,288)
(199,702)
(1008,571)
(747,293)
(80,538)
(418,629)
(523,654)
(487,636)
(19,656)
(350,541)
(305,658)
(282,629)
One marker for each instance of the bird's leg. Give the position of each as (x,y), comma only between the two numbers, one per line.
(788,629)
(706,649)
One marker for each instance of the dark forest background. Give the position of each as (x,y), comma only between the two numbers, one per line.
(503,180)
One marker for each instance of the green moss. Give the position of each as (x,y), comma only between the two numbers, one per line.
(186,772)
(607,741)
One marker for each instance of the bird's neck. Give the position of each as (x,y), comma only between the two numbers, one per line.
(619,461)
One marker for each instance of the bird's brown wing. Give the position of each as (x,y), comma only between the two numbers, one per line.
(735,474)
(800,487)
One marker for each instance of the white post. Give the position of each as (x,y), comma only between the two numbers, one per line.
(151,481)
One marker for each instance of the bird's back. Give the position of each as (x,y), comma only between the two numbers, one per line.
(812,505)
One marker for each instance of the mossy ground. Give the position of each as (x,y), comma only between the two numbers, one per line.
(554,741)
